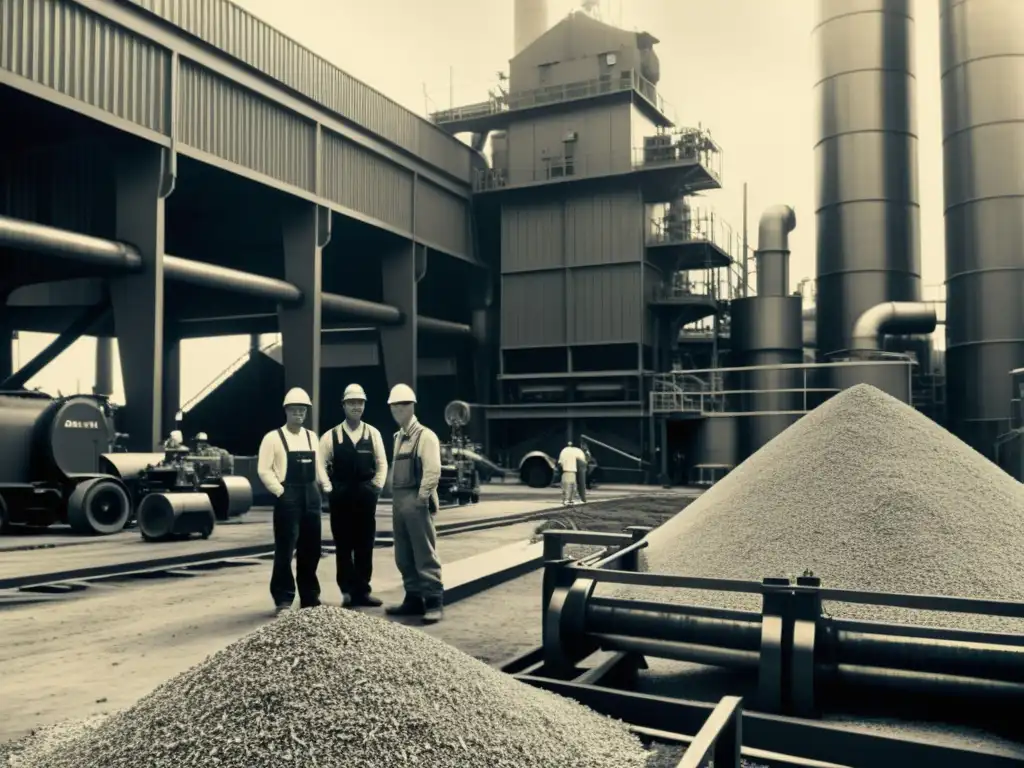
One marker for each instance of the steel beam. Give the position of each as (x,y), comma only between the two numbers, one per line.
(138,297)
(85,322)
(171,395)
(104,366)
(304,234)
(399,343)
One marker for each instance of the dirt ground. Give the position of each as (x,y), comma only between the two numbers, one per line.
(100,652)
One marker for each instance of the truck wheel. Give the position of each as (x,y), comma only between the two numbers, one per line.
(99,506)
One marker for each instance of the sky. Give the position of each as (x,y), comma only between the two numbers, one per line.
(742,68)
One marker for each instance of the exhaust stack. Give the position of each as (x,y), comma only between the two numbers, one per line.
(530,21)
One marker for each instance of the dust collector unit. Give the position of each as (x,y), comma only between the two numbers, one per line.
(983,145)
(767,330)
(868,248)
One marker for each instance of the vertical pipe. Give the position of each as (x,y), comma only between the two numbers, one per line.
(104,366)
(530,21)
(746,251)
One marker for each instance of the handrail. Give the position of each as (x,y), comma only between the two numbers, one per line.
(223,376)
(720,738)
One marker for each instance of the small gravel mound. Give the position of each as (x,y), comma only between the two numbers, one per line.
(867,493)
(32,749)
(328,688)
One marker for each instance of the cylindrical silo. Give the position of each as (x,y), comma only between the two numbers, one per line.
(767,335)
(529,21)
(983,147)
(868,248)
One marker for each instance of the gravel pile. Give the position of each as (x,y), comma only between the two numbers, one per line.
(327,688)
(866,493)
(32,749)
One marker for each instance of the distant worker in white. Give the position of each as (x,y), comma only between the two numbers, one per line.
(292,469)
(415,474)
(569,461)
(357,467)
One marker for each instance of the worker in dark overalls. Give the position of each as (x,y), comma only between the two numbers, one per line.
(292,469)
(416,470)
(357,467)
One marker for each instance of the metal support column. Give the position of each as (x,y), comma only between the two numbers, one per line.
(171,398)
(138,299)
(306,231)
(104,366)
(402,269)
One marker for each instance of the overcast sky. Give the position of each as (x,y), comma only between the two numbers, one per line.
(743,68)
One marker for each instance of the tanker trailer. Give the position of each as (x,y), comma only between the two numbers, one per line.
(50,451)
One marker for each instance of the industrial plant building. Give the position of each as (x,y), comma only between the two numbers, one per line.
(169,179)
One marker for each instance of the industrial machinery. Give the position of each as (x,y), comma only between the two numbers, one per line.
(50,464)
(460,479)
(177,494)
(60,463)
(539,470)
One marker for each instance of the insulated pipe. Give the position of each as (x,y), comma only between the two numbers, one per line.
(892,318)
(29,236)
(773,250)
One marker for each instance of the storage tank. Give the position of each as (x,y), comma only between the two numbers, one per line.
(868,248)
(767,332)
(983,147)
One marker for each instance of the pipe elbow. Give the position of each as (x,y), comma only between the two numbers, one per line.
(892,318)
(774,228)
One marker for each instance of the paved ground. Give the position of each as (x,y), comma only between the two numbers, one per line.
(102,651)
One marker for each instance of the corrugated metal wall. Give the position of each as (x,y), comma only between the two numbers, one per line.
(218,117)
(608,229)
(365,183)
(607,304)
(532,237)
(84,57)
(246,38)
(533,309)
(442,218)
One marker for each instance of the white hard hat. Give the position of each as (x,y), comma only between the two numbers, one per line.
(297,396)
(401,393)
(202,436)
(176,435)
(354,392)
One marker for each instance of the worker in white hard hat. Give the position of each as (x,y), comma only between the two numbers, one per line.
(203,448)
(357,467)
(416,470)
(292,469)
(174,440)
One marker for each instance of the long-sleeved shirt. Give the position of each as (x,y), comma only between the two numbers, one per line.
(355,435)
(272,465)
(429,451)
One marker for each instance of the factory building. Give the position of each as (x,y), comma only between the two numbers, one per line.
(567,281)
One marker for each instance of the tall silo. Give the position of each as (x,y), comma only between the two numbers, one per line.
(983,147)
(868,248)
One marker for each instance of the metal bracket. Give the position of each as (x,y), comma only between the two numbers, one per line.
(771,670)
(806,612)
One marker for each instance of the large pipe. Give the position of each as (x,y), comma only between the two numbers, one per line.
(983,131)
(529,21)
(29,236)
(891,318)
(104,366)
(773,250)
(865,146)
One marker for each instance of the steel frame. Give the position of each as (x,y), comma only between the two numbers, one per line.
(795,650)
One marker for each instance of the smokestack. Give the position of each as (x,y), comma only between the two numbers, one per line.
(530,21)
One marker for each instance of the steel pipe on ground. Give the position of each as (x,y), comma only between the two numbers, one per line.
(94,251)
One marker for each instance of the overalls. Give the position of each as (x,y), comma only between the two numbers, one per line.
(297,529)
(353,510)
(413,524)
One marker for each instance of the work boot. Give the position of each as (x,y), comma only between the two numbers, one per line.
(281,608)
(411,606)
(366,601)
(434,610)
(346,600)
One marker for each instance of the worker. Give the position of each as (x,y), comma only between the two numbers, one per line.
(416,470)
(357,467)
(582,470)
(292,469)
(568,462)
(203,448)
(174,440)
